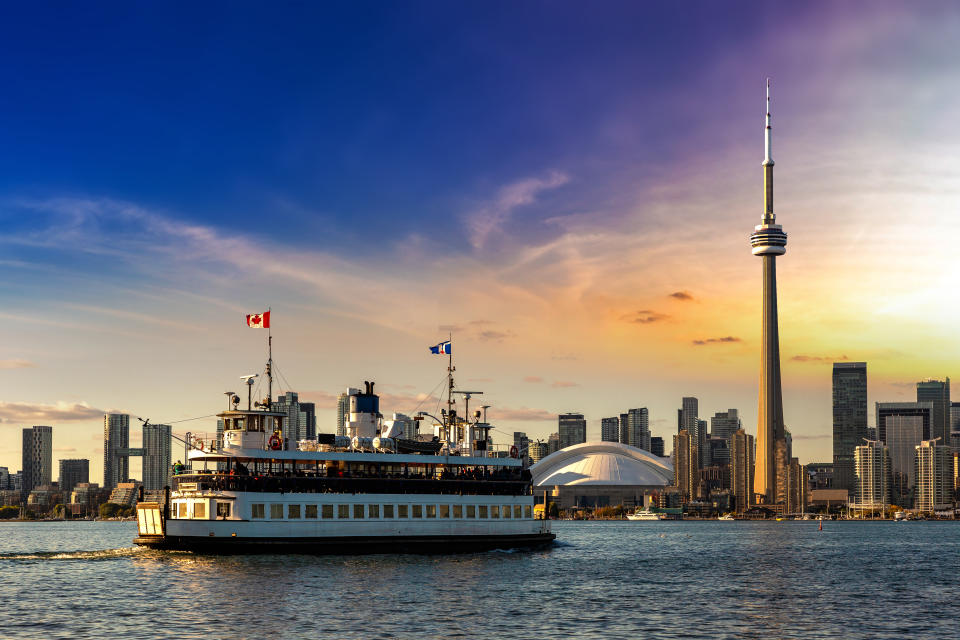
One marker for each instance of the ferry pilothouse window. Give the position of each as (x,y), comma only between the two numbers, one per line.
(483,511)
(516,511)
(431,511)
(343,511)
(403,511)
(471,511)
(327,511)
(310,511)
(276,512)
(374,510)
(182,510)
(293,511)
(418,511)
(223,509)
(457,511)
(358,510)
(199,510)
(444,511)
(527,509)
(388,511)
(256,511)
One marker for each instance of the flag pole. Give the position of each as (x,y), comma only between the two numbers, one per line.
(269,366)
(450,422)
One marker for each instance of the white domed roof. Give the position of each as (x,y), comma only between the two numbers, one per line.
(602,463)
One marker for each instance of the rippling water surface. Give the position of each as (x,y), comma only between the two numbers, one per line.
(603,579)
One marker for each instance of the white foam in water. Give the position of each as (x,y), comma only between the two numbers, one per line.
(101,554)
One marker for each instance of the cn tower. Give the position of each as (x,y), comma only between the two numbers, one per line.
(769,241)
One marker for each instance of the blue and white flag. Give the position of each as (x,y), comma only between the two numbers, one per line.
(443,347)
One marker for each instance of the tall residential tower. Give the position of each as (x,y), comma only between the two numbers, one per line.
(769,241)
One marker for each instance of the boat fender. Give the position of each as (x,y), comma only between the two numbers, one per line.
(514,452)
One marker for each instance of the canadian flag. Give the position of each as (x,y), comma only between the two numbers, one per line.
(259,320)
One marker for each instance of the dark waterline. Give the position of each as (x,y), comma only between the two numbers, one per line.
(602,580)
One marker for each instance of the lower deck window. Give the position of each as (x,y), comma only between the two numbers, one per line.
(374,510)
(343,511)
(457,511)
(403,511)
(527,510)
(471,511)
(199,510)
(293,511)
(358,510)
(256,511)
(482,509)
(506,511)
(418,511)
(276,512)
(431,511)
(516,511)
(182,510)
(223,509)
(388,511)
(494,511)
(310,511)
(327,511)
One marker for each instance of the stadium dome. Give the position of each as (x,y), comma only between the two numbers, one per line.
(603,464)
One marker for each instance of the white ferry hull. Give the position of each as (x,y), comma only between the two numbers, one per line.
(343,532)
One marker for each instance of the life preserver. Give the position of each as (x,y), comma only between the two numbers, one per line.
(274,442)
(514,452)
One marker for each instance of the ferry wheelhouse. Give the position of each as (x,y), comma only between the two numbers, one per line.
(371,491)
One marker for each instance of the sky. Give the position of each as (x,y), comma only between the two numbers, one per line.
(567,189)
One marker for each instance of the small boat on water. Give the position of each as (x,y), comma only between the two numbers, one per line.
(644,514)
(727,518)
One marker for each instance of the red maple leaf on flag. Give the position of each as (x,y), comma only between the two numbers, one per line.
(256,319)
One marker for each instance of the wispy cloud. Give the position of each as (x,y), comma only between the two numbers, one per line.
(563,384)
(49,414)
(818,359)
(491,217)
(523,414)
(16,364)
(491,335)
(723,340)
(644,316)
(533,379)
(684,296)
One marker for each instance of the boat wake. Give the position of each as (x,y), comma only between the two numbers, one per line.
(101,554)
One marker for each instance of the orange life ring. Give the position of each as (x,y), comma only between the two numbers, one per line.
(274,442)
(514,452)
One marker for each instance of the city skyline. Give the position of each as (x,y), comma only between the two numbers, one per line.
(139,231)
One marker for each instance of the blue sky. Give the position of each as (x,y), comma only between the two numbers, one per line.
(543,177)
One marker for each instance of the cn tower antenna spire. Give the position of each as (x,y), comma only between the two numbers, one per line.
(768,215)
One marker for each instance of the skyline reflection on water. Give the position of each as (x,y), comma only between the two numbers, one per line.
(603,579)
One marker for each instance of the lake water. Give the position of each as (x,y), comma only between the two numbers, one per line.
(602,580)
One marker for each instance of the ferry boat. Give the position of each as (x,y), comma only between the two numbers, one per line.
(645,514)
(253,490)
(728,517)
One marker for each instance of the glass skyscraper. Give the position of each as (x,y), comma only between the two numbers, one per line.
(849,418)
(937,392)
(573,429)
